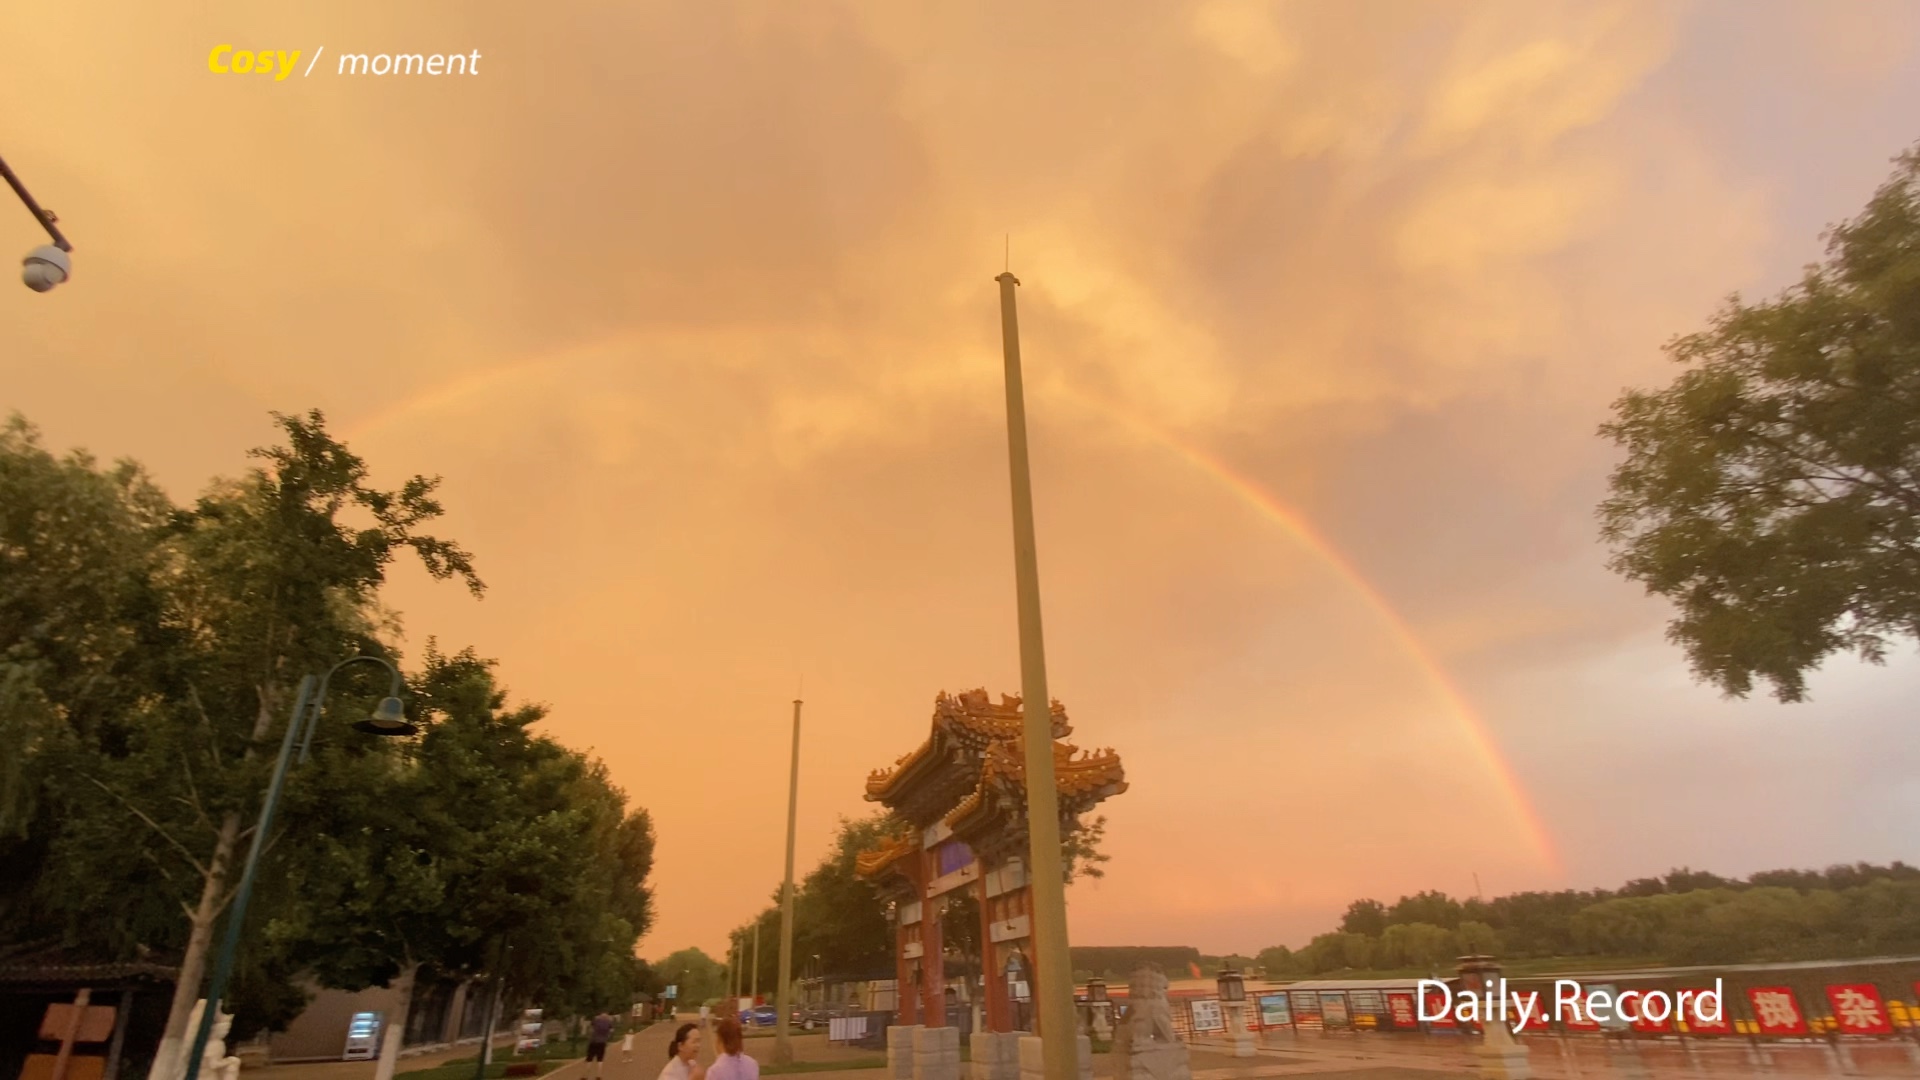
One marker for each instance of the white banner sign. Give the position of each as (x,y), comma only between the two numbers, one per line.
(846,1028)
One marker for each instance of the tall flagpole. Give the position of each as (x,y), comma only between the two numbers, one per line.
(782,1048)
(1054,995)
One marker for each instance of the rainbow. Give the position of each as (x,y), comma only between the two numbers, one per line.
(1247,491)
(1273,510)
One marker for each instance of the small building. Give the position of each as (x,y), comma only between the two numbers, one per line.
(140,993)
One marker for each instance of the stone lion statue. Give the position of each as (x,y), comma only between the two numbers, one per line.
(216,1065)
(1149,1017)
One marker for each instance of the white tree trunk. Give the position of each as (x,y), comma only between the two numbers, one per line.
(396,1030)
(176,1042)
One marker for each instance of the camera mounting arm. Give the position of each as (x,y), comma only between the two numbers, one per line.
(44,217)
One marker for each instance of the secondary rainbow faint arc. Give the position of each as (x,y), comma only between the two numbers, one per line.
(1246,490)
(1271,508)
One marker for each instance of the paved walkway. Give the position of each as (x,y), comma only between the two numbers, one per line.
(1334,1057)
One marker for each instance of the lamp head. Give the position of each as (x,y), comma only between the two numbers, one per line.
(389,719)
(44,267)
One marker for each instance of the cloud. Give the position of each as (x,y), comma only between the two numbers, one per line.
(692,305)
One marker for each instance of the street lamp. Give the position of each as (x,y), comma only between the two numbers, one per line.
(388,719)
(47,265)
(1233,997)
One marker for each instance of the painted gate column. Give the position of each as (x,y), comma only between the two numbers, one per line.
(993,975)
(933,985)
(906,1002)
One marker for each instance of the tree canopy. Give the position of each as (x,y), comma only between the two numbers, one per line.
(1772,492)
(148,653)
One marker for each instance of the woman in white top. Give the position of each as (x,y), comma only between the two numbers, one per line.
(683,1054)
(731,1063)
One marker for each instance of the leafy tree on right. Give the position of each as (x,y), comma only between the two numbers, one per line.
(1772,492)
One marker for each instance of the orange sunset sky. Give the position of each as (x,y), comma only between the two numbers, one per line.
(691,304)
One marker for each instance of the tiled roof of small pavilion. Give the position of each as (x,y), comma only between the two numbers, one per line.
(926,783)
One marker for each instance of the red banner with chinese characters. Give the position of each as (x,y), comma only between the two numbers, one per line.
(1440,1005)
(1776,1011)
(1540,1017)
(1579,1015)
(1636,1002)
(1400,1012)
(1858,1010)
(1698,1025)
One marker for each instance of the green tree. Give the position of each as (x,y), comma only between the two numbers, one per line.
(478,836)
(1367,917)
(1084,849)
(694,975)
(1476,937)
(1772,492)
(191,624)
(1416,945)
(1436,908)
(79,624)
(1277,960)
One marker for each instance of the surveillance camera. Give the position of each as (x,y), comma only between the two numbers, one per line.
(44,267)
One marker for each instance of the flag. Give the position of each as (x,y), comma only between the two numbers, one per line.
(1195,969)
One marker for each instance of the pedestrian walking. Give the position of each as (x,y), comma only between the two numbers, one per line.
(598,1032)
(626,1048)
(683,1055)
(731,1063)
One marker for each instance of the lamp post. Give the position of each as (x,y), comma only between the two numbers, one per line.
(1099,1009)
(782,990)
(1502,1057)
(1233,999)
(47,265)
(1053,965)
(388,719)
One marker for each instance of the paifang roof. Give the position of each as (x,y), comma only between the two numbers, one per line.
(929,780)
(993,819)
(875,861)
(971,775)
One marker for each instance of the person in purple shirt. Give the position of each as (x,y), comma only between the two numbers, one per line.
(598,1032)
(730,1063)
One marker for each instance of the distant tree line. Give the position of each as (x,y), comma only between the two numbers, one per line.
(1686,917)
(1121,961)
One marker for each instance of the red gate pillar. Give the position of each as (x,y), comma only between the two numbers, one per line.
(906,1003)
(933,1007)
(993,975)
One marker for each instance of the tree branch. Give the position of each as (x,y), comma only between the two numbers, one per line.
(193,792)
(213,743)
(142,815)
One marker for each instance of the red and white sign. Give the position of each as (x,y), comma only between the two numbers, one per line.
(1858,1010)
(1639,1003)
(1439,1005)
(1579,1016)
(1400,1011)
(1776,1011)
(1699,1025)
